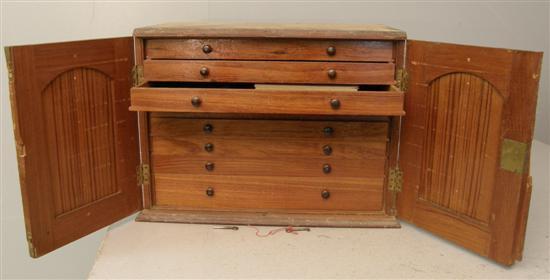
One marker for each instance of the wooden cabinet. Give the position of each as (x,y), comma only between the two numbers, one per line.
(275,125)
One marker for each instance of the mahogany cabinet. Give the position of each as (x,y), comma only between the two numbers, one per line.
(303,125)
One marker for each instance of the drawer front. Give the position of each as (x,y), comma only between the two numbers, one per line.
(277,72)
(249,101)
(279,49)
(268,193)
(253,164)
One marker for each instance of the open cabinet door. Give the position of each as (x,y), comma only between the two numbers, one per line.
(77,143)
(465,145)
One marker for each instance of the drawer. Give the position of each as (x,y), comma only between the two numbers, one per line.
(273,49)
(253,101)
(276,130)
(269,72)
(267,193)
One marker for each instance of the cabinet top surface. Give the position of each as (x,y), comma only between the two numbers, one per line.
(264,30)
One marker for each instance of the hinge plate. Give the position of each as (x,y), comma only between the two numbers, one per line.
(143,174)
(402,79)
(513,155)
(32,249)
(137,75)
(395,183)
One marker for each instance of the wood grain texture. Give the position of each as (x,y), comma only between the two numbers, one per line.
(266,30)
(457,182)
(250,101)
(294,218)
(274,49)
(265,165)
(54,90)
(175,125)
(267,193)
(460,154)
(265,147)
(277,72)
(143,123)
(79,123)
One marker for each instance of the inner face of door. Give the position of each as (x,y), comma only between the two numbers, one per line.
(461,144)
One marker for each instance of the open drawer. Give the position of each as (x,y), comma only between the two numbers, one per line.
(176,97)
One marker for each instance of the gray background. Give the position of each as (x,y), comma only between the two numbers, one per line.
(521,25)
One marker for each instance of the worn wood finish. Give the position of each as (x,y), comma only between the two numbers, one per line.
(267,193)
(143,123)
(265,30)
(294,218)
(276,72)
(77,142)
(261,49)
(256,169)
(250,101)
(462,102)
(173,125)
(260,147)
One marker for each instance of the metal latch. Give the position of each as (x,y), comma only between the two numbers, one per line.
(143,174)
(395,180)
(513,155)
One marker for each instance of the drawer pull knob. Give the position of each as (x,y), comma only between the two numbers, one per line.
(328,131)
(209,147)
(204,71)
(325,194)
(208,128)
(206,49)
(331,51)
(327,168)
(196,101)
(331,74)
(210,191)
(209,166)
(327,150)
(335,103)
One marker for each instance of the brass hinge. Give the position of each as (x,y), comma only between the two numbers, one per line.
(513,155)
(137,75)
(402,79)
(32,249)
(143,174)
(395,183)
(7,51)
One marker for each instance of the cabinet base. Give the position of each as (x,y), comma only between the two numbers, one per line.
(360,220)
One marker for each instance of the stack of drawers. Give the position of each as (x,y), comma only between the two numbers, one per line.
(217,143)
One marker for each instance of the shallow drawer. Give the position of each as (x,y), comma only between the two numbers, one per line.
(252,101)
(267,193)
(273,49)
(269,72)
(172,125)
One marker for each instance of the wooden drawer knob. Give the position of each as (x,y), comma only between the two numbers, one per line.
(209,166)
(204,71)
(335,103)
(331,74)
(210,191)
(325,194)
(331,51)
(196,101)
(328,131)
(327,168)
(208,128)
(209,147)
(327,150)
(206,49)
